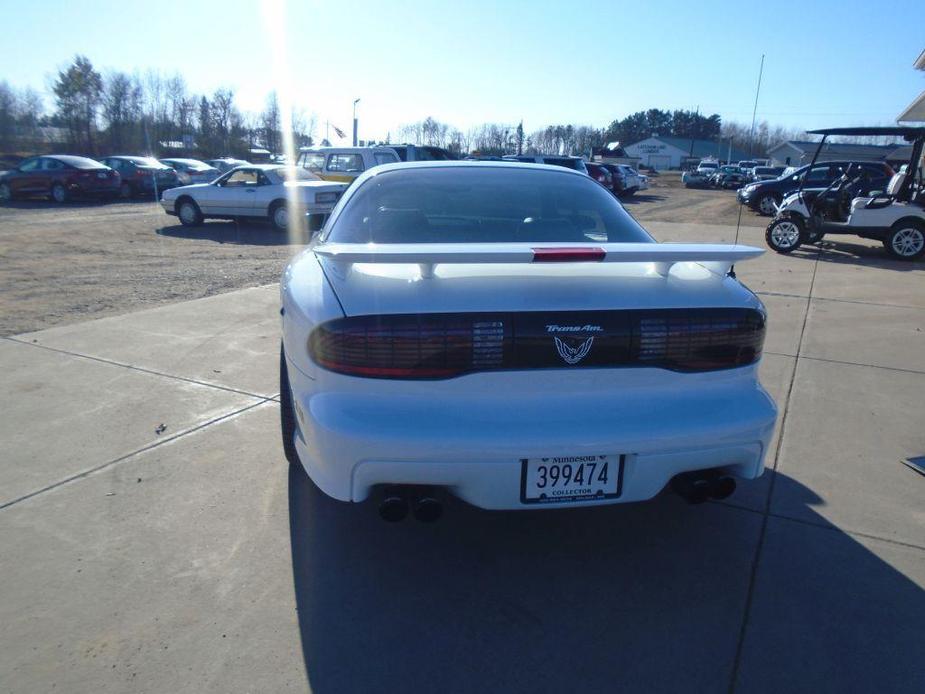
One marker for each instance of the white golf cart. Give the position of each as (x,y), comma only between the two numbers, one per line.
(896,216)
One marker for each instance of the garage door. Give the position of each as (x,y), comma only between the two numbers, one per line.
(660,161)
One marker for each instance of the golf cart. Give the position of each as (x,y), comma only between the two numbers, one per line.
(896,217)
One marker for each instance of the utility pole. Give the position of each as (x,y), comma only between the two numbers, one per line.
(355,102)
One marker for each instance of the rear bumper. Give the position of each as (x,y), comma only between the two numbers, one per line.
(473,443)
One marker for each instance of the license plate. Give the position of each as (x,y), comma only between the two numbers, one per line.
(571,478)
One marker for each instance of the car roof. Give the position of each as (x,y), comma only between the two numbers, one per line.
(346,150)
(470,164)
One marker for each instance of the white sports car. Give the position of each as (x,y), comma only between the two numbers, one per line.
(257,190)
(509,334)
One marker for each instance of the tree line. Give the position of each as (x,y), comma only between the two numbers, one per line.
(97,113)
(497,139)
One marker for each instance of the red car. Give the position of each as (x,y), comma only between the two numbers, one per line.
(600,174)
(60,177)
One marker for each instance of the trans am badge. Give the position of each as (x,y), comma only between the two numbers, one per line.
(573,355)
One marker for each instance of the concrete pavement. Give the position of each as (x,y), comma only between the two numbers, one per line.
(153,538)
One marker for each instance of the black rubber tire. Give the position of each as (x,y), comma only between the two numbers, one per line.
(272,215)
(193,221)
(900,227)
(125,191)
(769,197)
(58,193)
(287,423)
(773,243)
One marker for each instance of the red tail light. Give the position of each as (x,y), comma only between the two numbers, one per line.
(430,346)
(568,255)
(425,346)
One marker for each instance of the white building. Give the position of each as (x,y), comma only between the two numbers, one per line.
(664,152)
(915,113)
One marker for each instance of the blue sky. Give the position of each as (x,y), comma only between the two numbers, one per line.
(503,61)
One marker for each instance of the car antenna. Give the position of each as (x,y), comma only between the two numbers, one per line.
(751,133)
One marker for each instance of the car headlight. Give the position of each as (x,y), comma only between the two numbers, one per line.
(325,197)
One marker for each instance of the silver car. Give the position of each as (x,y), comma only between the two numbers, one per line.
(260,191)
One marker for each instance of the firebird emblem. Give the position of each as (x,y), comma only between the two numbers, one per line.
(573,355)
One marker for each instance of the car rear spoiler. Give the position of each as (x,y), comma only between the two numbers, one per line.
(717,257)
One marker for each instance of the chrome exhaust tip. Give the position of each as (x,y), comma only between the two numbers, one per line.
(427,509)
(692,487)
(722,487)
(393,508)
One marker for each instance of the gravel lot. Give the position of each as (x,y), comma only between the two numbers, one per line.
(67,263)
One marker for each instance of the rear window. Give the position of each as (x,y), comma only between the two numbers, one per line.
(483,205)
(431,154)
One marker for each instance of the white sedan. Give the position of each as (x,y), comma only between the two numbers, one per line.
(509,334)
(260,190)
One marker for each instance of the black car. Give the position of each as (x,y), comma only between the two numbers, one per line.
(763,196)
(142,175)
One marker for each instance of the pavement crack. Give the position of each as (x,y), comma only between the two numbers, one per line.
(115,461)
(152,372)
(756,560)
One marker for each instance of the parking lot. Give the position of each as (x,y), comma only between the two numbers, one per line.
(155,539)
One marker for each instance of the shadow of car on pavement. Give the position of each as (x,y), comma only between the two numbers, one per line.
(644,597)
(846,252)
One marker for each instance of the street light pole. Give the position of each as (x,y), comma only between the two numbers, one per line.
(355,102)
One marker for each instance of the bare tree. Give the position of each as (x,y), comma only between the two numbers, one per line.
(223,112)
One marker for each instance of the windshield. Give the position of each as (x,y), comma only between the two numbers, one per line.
(483,205)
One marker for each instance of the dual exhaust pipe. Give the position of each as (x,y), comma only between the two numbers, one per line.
(700,485)
(695,487)
(395,506)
